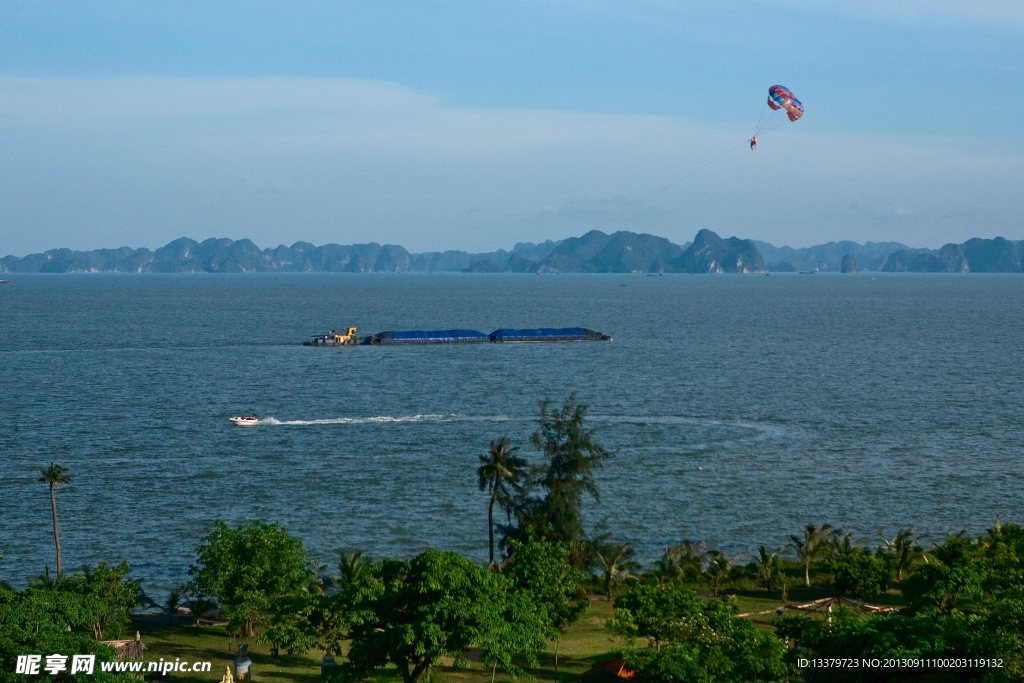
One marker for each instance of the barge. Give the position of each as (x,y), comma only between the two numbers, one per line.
(500,336)
(547,334)
(429,337)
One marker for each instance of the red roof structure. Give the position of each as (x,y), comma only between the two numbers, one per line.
(617,666)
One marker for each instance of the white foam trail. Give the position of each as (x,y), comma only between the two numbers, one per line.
(381,419)
(673,419)
(764,428)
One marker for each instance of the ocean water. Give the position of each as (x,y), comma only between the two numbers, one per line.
(740,407)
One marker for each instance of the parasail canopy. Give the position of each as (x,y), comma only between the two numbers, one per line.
(780,97)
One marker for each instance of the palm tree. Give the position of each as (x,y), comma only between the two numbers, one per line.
(816,540)
(668,567)
(615,560)
(848,546)
(719,568)
(199,606)
(499,474)
(902,550)
(692,556)
(55,475)
(767,567)
(43,581)
(352,567)
(170,607)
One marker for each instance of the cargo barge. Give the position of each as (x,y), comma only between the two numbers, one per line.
(501,336)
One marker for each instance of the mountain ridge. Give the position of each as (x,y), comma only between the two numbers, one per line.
(592,252)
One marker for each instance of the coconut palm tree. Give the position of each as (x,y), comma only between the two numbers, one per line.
(816,540)
(352,568)
(719,569)
(43,581)
(767,567)
(55,475)
(847,545)
(902,550)
(170,607)
(614,560)
(668,568)
(499,474)
(199,606)
(692,557)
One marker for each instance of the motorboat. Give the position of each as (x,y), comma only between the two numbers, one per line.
(245,420)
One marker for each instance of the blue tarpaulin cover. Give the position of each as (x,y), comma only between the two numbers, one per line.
(470,336)
(543,333)
(432,335)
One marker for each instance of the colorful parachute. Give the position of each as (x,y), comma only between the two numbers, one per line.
(781,98)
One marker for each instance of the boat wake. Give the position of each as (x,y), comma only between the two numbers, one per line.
(765,429)
(762,427)
(383,419)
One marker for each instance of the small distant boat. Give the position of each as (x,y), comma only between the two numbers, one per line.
(808,272)
(5,282)
(245,420)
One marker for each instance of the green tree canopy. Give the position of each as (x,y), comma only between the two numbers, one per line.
(438,604)
(659,613)
(692,639)
(248,569)
(859,574)
(42,622)
(988,634)
(571,455)
(115,594)
(543,570)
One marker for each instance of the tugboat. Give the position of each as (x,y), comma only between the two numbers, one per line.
(245,420)
(335,338)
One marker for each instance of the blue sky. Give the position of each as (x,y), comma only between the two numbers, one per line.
(468,125)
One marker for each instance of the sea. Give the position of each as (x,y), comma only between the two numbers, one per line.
(739,408)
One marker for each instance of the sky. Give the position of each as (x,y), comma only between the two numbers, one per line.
(451,124)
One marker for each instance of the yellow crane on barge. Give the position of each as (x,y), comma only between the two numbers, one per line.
(335,338)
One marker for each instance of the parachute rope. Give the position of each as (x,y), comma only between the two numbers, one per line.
(780,98)
(758,129)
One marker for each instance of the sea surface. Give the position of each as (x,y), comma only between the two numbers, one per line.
(740,408)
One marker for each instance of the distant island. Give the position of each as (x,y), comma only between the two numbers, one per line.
(594,252)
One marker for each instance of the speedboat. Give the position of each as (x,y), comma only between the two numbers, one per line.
(245,420)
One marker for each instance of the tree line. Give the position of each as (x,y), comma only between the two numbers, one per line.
(961,598)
